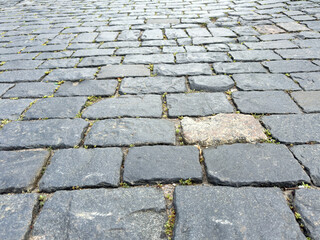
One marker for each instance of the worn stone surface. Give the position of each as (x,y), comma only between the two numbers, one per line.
(253,165)
(306,203)
(291,66)
(126,131)
(197,104)
(294,128)
(183,69)
(38,89)
(4,88)
(222,128)
(45,133)
(126,106)
(12,178)
(309,156)
(73,74)
(308,81)
(21,76)
(149,59)
(165,164)
(202,57)
(12,109)
(309,101)
(135,213)
(213,209)
(123,71)
(56,108)
(217,83)
(238,67)
(264,102)
(16,214)
(83,168)
(254,55)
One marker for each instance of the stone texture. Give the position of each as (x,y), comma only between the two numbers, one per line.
(165,164)
(37,134)
(264,82)
(99,61)
(221,129)
(157,85)
(294,128)
(264,102)
(253,165)
(309,156)
(21,76)
(293,27)
(254,55)
(239,67)
(4,88)
(126,106)
(308,81)
(213,209)
(306,203)
(124,71)
(218,83)
(56,108)
(83,168)
(149,59)
(16,214)
(202,57)
(73,74)
(291,66)
(126,131)
(197,104)
(280,44)
(269,29)
(12,109)
(308,53)
(38,89)
(136,213)
(308,101)
(12,178)
(183,69)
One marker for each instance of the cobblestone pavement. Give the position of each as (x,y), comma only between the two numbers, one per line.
(160,119)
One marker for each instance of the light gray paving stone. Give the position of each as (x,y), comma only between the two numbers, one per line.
(152,34)
(253,165)
(37,89)
(124,71)
(220,47)
(158,43)
(12,179)
(22,76)
(4,88)
(46,133)
(12,109)
(183,69)
(254,55)
(293,26)
(198,32)
(222,129)
(163,20)
(306,203)
(17,211)
(107,36)
(309,156)
(54,55)
(212,40)
(149,59)
(72,74)
(202,57)
(92,52)
(307,53)
(264,82)
(264,102)
(271,45)
(158,85)
(173,50)
(85,37)
(294,128)
(56,108)
(126,106)
(175,33)
(290,66)
(99,61)
(218,83)
(165,164)
(245,31)
(129,35)
(308,81)
(269,29)
(195,49)
(239,67)
(59,63)
(309,101)
(222,32)
(140,50)
(126,131)
(21,65)
(197,104)
(83,168)
(119,44)
(212,208)
(308,43)
(124,213)
(87,88)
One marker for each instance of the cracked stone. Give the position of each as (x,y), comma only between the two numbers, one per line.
(218,83)
(308,81)
(309,101)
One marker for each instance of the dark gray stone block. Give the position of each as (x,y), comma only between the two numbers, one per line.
(309,156)
(264,82)
(87,88)
(307,204)
(253,165)
(12,109)
(60,63)
(56,108)
(291,66)
(158,85)
(183,69)
(124,71)
(134,213)
(16,212)
(308,81)
(12,179)
(49,133)
(197,104)
(166,164)
(264,102)
(254,55)
(21,65)
(309,101)
(126,106)
(22,76)
(294,128)
(72,74)
(37,89)
(217,83)
(205,212)
(126,131)
(239,67)
(82,167)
